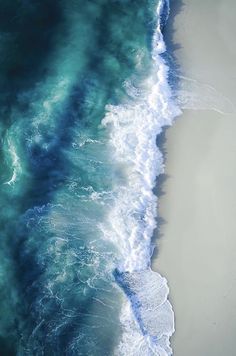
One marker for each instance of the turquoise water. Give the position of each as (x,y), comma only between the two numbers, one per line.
(75,80)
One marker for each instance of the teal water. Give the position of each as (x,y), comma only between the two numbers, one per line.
(64,65)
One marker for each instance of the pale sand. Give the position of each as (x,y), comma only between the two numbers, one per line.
(197,241)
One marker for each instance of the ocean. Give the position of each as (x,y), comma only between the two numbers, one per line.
(84,94)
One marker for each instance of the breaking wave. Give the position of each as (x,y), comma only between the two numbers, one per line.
(147,316)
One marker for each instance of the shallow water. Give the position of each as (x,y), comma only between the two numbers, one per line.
(83,95)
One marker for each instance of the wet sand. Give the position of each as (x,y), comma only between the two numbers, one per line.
(197,239)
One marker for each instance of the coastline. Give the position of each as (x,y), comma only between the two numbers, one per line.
(195,241)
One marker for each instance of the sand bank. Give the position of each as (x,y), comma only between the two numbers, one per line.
(197,240)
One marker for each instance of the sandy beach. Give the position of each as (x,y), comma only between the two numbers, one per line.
(197,239)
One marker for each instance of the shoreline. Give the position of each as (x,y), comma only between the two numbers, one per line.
(195,240)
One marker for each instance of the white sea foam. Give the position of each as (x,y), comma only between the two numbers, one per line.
(147,316)
(148,319)
(15,161)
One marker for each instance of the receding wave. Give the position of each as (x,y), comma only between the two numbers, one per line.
(195,95)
